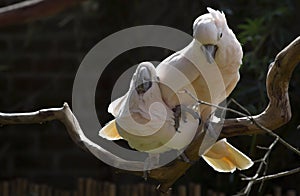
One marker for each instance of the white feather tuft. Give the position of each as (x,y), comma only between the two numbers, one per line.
(218,16)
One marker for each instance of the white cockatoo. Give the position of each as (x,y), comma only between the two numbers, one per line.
(209,69)
(144,120)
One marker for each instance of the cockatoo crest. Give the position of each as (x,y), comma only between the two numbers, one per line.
(219,17)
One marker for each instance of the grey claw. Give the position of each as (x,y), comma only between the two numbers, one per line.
(178,114)
(145,174)
(183,157)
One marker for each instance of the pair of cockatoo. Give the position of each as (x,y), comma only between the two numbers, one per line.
(156,116)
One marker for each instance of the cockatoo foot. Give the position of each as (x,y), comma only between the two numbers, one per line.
(184,158)
(151,161)
(177,116)
(145,174)
(180,111)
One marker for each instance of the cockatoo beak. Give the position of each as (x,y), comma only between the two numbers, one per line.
(209,51)
(144,80)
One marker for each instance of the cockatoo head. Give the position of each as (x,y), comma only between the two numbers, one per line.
(218,41)
(144,81)
(144,77)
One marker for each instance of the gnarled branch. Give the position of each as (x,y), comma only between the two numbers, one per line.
(275,115)
(66,116)
(278,111)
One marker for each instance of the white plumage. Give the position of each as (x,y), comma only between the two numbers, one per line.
(209,68)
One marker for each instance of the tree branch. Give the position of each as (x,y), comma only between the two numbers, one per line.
(263,162)
(66,116)
(255,179)
(277,175)
(278,111)
(33,9)
(275,115)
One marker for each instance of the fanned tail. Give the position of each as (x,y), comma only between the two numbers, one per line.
(110,132)
(223,157)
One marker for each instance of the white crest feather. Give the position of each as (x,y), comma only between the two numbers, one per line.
(219,17)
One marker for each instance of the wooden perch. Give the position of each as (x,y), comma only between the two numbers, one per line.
(275,115)
(278,111)
(66,116)
(33,9)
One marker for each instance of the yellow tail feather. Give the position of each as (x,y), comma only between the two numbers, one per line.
(223,157)
(110,132)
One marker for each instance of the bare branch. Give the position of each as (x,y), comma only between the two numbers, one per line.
(65,115)
(248,116)
(277,175)
(33,9)
(278,112)
(262,163)
(264,178)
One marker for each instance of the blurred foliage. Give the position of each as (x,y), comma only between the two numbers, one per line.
(267,28)
(263,34)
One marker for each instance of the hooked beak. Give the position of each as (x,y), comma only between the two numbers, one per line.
(143,82)
(209,51)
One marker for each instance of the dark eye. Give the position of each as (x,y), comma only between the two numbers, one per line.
(221,34)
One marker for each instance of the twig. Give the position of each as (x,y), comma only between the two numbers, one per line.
(240,106)
(265,178)
(262,163)
(250,117)
(282,141)
(277,175)
(66,116)
(214,105)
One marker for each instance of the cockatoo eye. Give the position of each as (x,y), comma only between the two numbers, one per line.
(220,35)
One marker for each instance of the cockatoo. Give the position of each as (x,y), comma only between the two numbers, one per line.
(145,121)
(145,115)
(208,66)
(209,69)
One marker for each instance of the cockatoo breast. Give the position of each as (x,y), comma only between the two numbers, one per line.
(229,54)
(144,114)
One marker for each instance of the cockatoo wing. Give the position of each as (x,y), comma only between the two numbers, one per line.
(185,134)
(115,106)
(110,132)
(176,73)
(223,157)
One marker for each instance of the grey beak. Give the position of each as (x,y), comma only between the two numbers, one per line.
(209,51)
(143,82)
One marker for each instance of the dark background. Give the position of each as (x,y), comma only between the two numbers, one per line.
(39,60)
